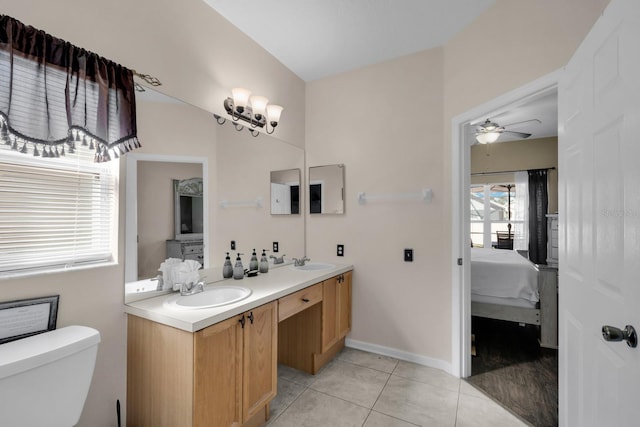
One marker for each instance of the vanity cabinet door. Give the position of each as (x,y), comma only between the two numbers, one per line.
(329,312)
(218,374)
(260,358)
(344,304)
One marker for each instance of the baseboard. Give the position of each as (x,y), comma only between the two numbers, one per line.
(401,355)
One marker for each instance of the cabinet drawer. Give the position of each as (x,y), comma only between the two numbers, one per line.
(298,301)
(191,249)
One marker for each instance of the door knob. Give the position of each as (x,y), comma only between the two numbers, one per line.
(628,334)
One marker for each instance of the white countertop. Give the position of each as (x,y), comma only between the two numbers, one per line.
(265,288)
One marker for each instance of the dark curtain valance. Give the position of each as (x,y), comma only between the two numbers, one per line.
(54,95)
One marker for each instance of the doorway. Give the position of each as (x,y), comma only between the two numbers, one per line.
(462,136)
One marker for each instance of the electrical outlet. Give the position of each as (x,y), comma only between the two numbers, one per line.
(408,255)
(233,245)
(275,246)
(340,250)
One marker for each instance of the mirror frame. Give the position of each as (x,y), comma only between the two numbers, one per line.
(177,211)
(131,207)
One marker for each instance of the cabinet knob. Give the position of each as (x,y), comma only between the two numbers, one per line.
(242,321)
(305,299)
(250,316)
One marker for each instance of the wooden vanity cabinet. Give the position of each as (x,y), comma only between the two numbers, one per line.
(223,375)
(312,337)
(336,309)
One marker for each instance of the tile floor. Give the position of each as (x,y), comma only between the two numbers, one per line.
(364,389)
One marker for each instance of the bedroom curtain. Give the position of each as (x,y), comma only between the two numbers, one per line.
(538,204)
(56,96)
(521,212)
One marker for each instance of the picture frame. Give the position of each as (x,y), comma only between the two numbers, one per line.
(26,317)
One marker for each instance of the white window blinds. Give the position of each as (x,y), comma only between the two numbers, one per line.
(55,213)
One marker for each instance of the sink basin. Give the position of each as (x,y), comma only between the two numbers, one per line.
(314,266)
(213,297)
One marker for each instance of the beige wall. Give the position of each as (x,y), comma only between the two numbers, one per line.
(244,166)
(390,125)
(517,155)
(384,122)
(156,210)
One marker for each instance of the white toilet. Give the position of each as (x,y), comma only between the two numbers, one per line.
(44,379)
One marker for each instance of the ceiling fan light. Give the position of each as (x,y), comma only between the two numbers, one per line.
(487,137)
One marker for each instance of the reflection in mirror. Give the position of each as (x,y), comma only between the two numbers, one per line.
(326,189)
(151,222)
(285,192)
(188,208)
(233,166)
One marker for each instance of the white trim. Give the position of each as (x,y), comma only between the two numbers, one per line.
(460,247)
(400,355)
(131,207)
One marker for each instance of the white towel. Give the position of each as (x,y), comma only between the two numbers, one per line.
(166,268)
(186,272)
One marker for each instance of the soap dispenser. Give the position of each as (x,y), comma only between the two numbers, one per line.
(264,262)
(227,269)
(238,269)
(253,264)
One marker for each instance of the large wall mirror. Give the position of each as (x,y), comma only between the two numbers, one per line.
(285,192)
(326,189)
(181,142)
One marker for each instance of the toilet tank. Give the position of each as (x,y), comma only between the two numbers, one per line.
(44,379)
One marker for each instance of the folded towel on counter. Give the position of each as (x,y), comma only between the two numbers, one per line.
(175,272)
(186,272)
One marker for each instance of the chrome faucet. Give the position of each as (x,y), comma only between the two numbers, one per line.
(300,262)
(191,288)
(277,260)
(160,281)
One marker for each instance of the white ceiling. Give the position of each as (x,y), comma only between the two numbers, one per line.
(320,38)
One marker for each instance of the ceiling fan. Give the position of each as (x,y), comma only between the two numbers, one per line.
(489,131)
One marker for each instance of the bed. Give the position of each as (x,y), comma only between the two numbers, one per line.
(507,286)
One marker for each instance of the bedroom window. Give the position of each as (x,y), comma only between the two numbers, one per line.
(493,209)
(55,214)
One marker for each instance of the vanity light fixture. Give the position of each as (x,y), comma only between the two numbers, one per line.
(254,110)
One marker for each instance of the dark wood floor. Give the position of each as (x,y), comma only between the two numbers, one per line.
(510,367)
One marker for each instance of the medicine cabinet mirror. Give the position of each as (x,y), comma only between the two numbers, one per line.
(285,192)
(326,189)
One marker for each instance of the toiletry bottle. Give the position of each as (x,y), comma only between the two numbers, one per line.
(264,262)
(238,269)
(253,264)
(227,269)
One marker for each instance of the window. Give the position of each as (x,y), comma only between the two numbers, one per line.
(492,210)
(55,213)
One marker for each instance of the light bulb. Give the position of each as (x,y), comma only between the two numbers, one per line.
(240,98)
(259,105)
(273,113)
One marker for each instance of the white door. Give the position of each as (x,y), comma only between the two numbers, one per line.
(280,198)
(599,170)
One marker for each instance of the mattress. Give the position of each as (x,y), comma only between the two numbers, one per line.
(503,274)
(513,302)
